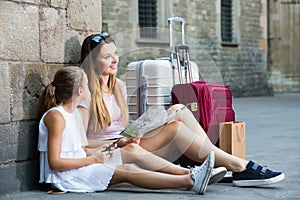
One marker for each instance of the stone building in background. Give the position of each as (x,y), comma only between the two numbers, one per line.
(250,46)
(228,39)
(284,45)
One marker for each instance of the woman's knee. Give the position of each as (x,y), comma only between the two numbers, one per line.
(175,126)
(132,147)
(184,112)
(176,107)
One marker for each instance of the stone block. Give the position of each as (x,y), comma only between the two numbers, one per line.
(19,141)
(59,3)
(19,31)
(26,140)
(52,32)
(8,145)
(85,15)
(37,2)
(72,47)
(26,82)
(19,176)
(51,70)
(5,91)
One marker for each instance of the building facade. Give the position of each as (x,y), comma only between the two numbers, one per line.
(228,39)
(284,45)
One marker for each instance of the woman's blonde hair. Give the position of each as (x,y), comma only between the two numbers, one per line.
(100,117)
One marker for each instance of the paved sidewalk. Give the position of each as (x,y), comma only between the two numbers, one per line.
(273,139)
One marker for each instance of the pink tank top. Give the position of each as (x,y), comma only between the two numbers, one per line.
(116,126)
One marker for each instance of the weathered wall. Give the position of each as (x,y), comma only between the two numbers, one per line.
(37,38)
(242,67)
(284,45)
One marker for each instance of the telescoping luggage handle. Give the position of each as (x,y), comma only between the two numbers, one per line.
(185,61)
(171,21)
(193,106)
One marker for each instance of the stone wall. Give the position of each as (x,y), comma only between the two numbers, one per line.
(284,43)
(37,38)
(242,67)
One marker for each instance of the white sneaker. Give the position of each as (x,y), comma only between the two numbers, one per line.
(201,174)
(217,174)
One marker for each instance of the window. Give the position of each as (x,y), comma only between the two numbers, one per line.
(226,20)
(147,18)
(229,22)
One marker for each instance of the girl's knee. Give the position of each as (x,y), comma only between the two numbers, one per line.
(126,168)
(122,173)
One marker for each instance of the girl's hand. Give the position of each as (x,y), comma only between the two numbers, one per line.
(103,153)
(85,149)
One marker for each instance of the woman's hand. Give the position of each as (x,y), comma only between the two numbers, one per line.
(137,139)
(124,141)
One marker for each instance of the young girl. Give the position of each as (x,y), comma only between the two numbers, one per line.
(105,115)
(64,161)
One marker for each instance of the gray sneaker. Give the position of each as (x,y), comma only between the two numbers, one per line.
(217,174)
(201,174)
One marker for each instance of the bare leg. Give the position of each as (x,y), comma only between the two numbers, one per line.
(176,136)
(189,137)
(148,179)
(222,158)
(133,153)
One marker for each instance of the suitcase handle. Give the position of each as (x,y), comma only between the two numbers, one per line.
(186,57)
(171,21)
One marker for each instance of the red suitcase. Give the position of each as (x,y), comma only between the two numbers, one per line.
(214,104)
(214,100)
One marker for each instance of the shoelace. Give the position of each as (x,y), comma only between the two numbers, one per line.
(193,173)
(196,170)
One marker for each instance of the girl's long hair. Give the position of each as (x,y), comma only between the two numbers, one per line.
(100,117)
(61,89)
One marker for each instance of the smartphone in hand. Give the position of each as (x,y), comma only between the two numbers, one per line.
(111,146)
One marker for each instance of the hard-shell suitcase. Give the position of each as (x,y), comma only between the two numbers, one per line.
(214,100)
(149,82)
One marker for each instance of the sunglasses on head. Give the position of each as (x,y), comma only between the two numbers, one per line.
(102,36)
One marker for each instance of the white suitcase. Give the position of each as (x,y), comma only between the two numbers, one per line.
(149,82)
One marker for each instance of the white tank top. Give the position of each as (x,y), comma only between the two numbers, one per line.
(73,138)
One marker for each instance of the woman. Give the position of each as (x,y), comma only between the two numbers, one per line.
(64,161)
(105,115)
